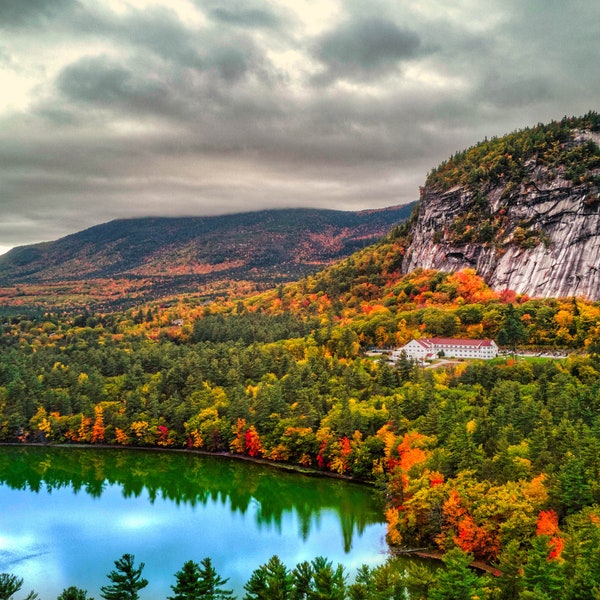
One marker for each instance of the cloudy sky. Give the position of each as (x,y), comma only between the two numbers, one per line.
(125,108)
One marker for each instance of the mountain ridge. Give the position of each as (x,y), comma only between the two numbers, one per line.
(181,253)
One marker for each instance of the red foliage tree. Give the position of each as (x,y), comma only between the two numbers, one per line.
(252,442)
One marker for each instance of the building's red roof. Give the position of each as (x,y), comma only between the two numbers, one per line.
(439,341)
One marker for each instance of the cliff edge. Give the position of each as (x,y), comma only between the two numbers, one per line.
(523,210)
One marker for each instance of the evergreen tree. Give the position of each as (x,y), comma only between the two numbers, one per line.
(456,581)
(419,580)
(542,575)
(581,557)
(210,582)
(187,585)
(74,593)
(329,583)
(512,331)
(302,577)
(126,580)
(10,584)
(510,565)
(363,586)
(271,581)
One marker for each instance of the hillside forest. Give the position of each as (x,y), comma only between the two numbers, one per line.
(494,461)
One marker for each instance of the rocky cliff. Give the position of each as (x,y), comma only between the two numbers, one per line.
(526,215)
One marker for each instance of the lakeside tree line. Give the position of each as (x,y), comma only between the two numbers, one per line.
(318,579)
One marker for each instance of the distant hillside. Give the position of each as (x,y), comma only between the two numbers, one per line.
(174,255)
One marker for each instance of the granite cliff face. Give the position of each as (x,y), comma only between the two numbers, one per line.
(532,227)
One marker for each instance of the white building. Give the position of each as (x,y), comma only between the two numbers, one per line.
(425,348)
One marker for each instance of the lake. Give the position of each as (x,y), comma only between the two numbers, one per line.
(66,514)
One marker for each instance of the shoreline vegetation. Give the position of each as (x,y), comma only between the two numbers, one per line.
(292,468)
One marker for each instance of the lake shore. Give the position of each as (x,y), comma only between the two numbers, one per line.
(282,466)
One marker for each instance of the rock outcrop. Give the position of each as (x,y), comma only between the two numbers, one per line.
(540,236)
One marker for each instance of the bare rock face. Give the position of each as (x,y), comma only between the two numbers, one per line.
(540,237)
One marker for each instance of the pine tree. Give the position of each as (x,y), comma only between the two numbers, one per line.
(126,580)
(10,585)
(271,581)
(328,583)
(187,585)
(542,574)
(74,593)
(210,582)
(456,581)
(512,331)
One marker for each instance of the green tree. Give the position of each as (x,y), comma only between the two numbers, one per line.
(581,557)
(328,583)
(543,575)
(511,331)
(10,584)
(271,581)
(510,566)
(210,582)
(200,581)
(456,581)
(187,586)
(575,490)
(419,580)
(302,577)
(439,322)
(74,593)
(363,586)
(126,580)
(385,582)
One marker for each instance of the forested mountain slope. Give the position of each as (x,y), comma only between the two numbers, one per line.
(523,210)
(274,245)
(123,263)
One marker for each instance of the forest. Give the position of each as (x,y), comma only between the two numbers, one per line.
(494,462)
(490,466)
(502,159)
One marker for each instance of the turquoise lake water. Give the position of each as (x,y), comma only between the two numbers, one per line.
(66,514)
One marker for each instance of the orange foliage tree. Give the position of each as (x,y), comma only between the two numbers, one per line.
(547,524)
(98,428)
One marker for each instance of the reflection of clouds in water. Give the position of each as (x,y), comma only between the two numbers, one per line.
(21,555)
(12,557)
(140,520)
(136,521)
(18,549)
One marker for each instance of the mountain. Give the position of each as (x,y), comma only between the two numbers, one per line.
(173,255)
(522,210)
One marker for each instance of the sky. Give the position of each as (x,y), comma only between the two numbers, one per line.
(129,108)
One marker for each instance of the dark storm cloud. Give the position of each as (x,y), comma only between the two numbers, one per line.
(252,17)
(30,13)
(156,29)
(365,49)
(117,111)
(102,82)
